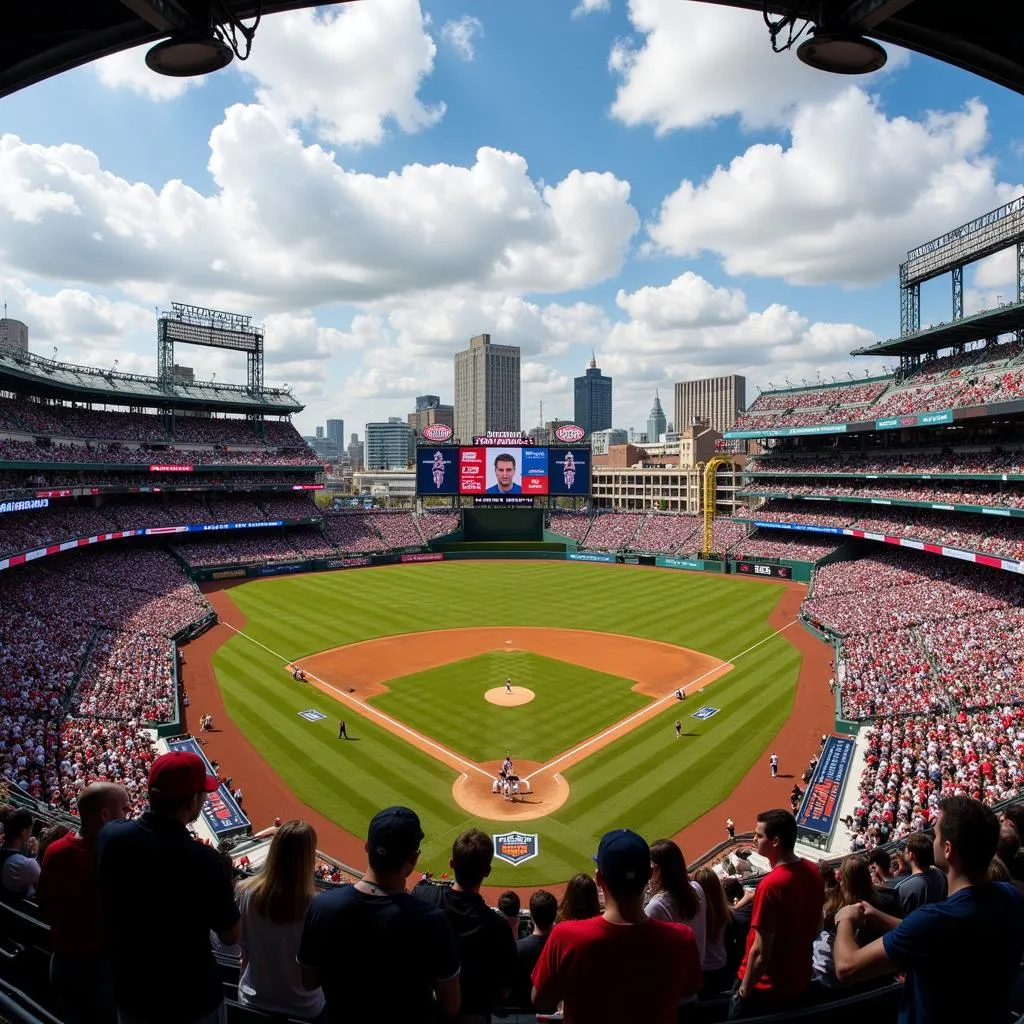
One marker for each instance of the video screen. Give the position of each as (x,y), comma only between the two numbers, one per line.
(495,474)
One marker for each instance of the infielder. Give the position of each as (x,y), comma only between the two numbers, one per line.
(508,684)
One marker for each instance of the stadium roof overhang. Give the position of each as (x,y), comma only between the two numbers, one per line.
(990,324)
(33,375)
(42,38)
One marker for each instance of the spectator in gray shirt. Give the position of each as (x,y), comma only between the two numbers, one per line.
(925,883)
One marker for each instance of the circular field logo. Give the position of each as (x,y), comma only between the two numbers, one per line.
(570,433)
(437,432)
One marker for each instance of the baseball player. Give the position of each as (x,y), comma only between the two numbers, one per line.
(679,728)
(773,763)
(508,684)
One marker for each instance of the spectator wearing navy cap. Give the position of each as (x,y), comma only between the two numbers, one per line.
(158,923)
(378,952)
(620,966)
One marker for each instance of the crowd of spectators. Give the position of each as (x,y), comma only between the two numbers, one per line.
(912,762)
(956,364)
(572,523)
(613,531)
(85,663)
(87,453)
(926,462)
(243,548)
(40,418)
(819,398)
(984,495)
(796,547)
(806,513)
(436,524)
(663,532)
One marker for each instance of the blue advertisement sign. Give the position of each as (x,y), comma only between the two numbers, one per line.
(535,462)
(569,471)
(220,812)
(820,806)
(668,562)
(800,526)
(437,470)
(590,556)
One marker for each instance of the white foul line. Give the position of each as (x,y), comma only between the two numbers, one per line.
(371,711)
(647,708)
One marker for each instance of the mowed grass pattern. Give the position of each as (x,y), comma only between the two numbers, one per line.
(570,704)
(648,780)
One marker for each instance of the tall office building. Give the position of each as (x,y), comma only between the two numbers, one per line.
(336,432)
(656,424)
(486,388)
(389,445)
(430,410)
(355,453)
(593,399)
(715,400)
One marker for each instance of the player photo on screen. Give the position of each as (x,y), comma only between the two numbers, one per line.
(436,471)
(570,471)
(504,471)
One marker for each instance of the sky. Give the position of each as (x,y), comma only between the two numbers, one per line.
(383,179)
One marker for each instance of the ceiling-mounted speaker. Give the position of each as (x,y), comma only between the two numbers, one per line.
(842,52)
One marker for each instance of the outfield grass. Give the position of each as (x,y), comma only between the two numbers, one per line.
(647,780)
(570,704)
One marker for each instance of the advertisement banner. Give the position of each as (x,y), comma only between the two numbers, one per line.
(61,492)
(349,563)
(170,469)
(227,574)
(799,526)
(590,556)
(437,471)
(820,806)
(781,572)
(516,847)
(423,556)
(220,812)
(668,562)
(24,505)
(279,570)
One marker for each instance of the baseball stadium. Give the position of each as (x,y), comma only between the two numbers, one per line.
(828,620)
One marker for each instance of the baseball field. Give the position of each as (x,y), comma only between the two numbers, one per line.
(415,659)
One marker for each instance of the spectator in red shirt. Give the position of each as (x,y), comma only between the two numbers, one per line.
(620,966)
(69,899)
(776,970)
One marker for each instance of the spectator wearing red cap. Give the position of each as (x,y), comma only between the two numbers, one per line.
(620,966)
(159,922)
(68,896)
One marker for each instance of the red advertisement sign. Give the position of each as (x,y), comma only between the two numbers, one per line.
(62,493)
(170,469)
(472,470)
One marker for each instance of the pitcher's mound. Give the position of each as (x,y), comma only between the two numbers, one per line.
(519,695)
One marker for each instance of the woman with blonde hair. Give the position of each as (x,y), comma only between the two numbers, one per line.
(580,900)
(714,967)
(854,885)
(273,905)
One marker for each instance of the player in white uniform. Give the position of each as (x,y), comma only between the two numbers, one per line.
(508,684)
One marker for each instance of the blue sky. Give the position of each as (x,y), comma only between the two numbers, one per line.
(385,178)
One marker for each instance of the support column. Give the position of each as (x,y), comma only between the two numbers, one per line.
(958,293)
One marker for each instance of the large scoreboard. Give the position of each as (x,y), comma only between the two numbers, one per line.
(502,475)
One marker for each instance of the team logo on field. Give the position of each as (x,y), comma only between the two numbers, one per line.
(311,715)
(705,713)
(570,433)
(515,847)
(437,432)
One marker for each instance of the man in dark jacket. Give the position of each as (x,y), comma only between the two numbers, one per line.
(487,949)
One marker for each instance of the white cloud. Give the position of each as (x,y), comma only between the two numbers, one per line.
(589,7)
(688,301)
(461,35)
(701,62)
(128,70)
(346,71)
(332,235)
(998,270)
(843,203)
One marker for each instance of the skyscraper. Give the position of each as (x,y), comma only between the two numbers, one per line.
(389,445)
(355,452)
(336,433)
(486,388)
(656,423)
(430,410)
(714,400)
(593,399)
